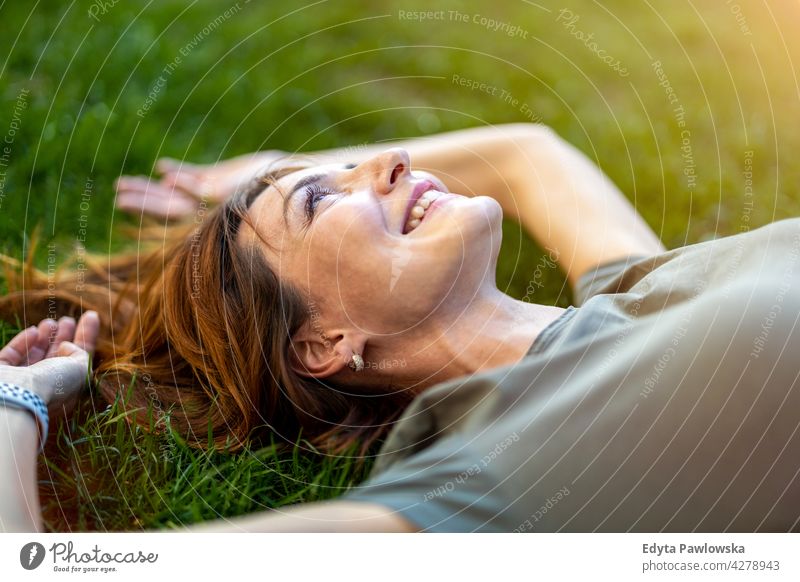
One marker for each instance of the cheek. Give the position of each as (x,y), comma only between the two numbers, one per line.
(350,262)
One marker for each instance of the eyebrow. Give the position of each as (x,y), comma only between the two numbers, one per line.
(303,183)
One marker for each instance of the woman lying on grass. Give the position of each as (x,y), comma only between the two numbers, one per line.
(664,401)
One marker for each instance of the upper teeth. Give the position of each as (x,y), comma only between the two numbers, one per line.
(418,210)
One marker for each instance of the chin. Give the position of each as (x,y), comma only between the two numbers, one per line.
(470,237)
(481,216)
(462,223)
(494,213)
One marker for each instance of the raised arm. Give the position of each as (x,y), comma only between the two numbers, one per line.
(569,205)
(558,195)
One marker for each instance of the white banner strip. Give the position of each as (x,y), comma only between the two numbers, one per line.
(407,557)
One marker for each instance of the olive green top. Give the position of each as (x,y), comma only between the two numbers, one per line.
(668,401)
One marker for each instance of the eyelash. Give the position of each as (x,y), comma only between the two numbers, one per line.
(314,194)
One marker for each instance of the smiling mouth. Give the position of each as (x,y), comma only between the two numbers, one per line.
(422,196)
(418,210)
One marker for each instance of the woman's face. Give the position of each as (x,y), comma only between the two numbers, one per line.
(345,240)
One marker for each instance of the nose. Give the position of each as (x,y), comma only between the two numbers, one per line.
(386,169)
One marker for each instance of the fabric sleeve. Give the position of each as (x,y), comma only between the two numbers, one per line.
(604,278)
(431,472)
(441,489)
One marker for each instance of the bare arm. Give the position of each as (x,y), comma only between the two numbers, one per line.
(558,195)
(569,205)
(327,516)
(19,504)
(45,360)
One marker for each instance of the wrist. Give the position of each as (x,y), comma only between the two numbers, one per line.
(17,398)
(43,388)
(24,378)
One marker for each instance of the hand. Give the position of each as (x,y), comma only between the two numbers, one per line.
(183,186)
(52,360)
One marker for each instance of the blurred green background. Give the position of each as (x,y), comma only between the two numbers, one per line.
(335,73)
(704,142)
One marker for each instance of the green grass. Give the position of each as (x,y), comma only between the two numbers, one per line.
(342,73)
(101,473)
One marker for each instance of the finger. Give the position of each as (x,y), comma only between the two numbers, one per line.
(65,333)
(197,187)
(142,185)
(135,183)
(87,331)
(175,207)
(164,189)
(58,366)
(47,332)
(157,190)
(164,165)
(74,351)
(15,352)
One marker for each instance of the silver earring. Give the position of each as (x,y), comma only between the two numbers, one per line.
(357,364)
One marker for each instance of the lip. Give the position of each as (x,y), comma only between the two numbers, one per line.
(443,198)
(420,189)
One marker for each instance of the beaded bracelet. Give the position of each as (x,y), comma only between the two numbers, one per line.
(17,397)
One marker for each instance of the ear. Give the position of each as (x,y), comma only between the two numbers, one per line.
(315,355)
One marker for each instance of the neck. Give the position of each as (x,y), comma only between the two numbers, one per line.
(490,331)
